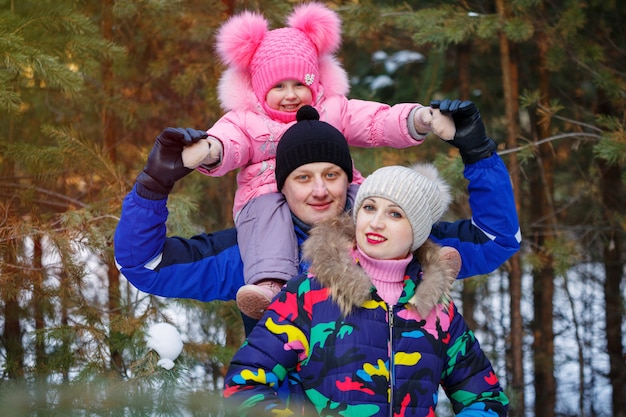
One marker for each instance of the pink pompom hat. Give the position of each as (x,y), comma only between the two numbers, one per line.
(268,57)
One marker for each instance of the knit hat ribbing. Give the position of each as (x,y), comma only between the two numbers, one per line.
(418,191)
(284,54)
(308,141)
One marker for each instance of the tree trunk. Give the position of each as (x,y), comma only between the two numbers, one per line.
(542,190)
(464,54)
(543,292)
(613,200)
(12,330)
(12,336)
(468,292)
(38,309)
(109,135)
(515,349)
(38,306)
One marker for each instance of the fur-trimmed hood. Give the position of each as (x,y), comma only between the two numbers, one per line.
(235,87)
(328,250)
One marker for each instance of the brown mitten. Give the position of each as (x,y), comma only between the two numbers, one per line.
(206,152)
(427,119)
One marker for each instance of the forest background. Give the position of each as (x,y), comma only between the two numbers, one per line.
(86,85)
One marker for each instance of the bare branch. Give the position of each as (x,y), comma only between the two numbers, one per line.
(579,135)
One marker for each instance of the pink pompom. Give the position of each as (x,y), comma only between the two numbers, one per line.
(239,38)
(320,24)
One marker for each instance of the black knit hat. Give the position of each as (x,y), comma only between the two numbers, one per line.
(308,141)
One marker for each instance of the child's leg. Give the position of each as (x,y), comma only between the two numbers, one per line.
(269,251)
(352,190)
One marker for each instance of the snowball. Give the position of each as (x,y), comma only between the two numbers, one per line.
(165,340)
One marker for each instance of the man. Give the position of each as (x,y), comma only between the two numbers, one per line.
(208,267)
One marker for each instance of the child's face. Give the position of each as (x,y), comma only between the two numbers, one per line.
(288,96)
(383,230)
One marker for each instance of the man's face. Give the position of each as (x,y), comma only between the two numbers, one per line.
(316,191)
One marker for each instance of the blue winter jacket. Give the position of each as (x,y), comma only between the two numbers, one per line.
(208,266)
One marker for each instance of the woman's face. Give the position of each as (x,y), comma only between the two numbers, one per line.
(383,230)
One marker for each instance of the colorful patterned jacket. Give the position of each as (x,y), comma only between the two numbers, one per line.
(348,353)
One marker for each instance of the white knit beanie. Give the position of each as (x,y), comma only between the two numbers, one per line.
(417,190)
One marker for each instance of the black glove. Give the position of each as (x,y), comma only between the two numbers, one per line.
(165,162)
(470,136)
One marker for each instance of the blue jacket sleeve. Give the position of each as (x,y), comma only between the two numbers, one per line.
(492,235)
(206,267)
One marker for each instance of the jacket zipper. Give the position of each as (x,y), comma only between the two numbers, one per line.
(391,361)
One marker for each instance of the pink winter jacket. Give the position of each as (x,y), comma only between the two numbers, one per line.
(250,138)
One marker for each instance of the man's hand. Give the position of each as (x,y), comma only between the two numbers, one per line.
(165,163)
(470,136)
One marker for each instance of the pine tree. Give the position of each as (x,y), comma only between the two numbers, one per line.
(73,96)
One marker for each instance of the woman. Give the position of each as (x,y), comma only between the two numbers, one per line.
(371,330)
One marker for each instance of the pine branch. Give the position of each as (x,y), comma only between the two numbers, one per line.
(69,201)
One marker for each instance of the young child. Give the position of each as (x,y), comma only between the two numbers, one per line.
(370,330)
(270,75)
